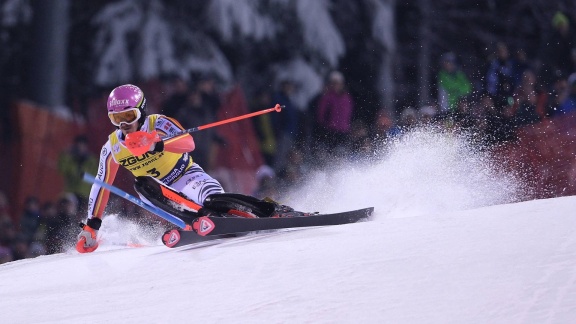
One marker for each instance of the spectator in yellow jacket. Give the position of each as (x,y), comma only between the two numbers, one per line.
(73,163)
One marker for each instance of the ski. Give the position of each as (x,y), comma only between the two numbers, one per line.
(176,237)
(207,228)
(213,226)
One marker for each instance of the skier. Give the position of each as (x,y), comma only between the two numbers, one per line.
(165,172)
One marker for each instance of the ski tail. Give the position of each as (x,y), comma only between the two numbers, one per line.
(175,238)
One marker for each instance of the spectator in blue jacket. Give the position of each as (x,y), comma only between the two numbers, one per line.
(569,104)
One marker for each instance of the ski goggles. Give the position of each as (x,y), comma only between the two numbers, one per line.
(129,116)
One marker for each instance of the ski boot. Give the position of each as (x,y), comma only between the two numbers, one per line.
(284,210)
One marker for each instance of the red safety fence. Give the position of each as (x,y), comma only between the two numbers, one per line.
(545,155)
(40,135)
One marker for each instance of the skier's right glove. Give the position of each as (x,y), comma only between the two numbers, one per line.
(140,142)
(87,241)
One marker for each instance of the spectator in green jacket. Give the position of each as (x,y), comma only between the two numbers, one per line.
(73,163)
(453,84)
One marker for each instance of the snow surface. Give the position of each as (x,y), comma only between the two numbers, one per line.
(432,254)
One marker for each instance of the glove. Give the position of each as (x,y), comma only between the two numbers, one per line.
(87,238)
(157,147)
(141,142)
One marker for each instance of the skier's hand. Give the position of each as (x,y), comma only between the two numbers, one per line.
(87,239)
(141,142)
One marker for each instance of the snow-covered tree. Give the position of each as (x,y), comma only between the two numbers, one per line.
(117,24)
(240,18)
(15,27)
(319,31)
(296,39)
(140,40)
(14,12)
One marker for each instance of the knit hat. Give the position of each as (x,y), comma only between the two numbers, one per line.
(336,76)
(560,19)
(572,79)
(448,57)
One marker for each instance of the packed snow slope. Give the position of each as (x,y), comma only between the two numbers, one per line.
(447,244)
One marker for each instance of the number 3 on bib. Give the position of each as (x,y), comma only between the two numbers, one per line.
(153,172)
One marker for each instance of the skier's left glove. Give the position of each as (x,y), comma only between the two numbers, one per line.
(87,241)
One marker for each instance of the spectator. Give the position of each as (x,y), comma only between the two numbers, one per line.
(500,77)
(359,130)
(559,91)
(556,51)
(20,246)
(524,108)
(5,255)
(267,183)
(521,65)
(285,125)
(294,172)
(569,104)
(57,220)
(199,109)
(30,219)
(36,249)
(427,115)
(194,112)
(361,149)
(48,222)
(463,119)
(453,84)
(408,120)
(178,97)
(73,163)
(208,91)
(4,209)
(7,235)
(495,125)
(316,140)
(383,126)
(334,115)
(264,127)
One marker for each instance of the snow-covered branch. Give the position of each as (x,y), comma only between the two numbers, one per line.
(232,18)
(319,31)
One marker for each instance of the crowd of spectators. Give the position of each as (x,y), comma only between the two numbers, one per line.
(43,228)
(47,227)
(513,91)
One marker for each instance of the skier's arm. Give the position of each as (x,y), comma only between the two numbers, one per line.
(179,144)
(107,169)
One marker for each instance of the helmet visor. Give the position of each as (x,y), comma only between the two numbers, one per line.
(129,116)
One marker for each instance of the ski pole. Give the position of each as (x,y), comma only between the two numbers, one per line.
(153,209)
(139,141)
(277,108)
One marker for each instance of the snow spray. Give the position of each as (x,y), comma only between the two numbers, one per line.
(423,171)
